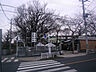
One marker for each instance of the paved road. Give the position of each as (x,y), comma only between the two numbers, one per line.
(44,66)
(10,64)
(74,64)
(89,66)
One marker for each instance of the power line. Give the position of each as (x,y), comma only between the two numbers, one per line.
(3,25)
(90,3)
(92,9)
(10,27)
(4,12)
(8,5)
(9,11)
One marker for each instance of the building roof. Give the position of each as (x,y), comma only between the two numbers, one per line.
(84,38)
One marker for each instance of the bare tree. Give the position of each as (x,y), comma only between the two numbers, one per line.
(6,41)
(73,26)
(91,24)
(35,18)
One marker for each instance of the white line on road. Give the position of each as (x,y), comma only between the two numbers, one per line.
(34,64)
(16,60)
(38,68)
(47,61)
(71,70)
(12,58)
(4,59)
(38,64)
(9,61)
(55,69)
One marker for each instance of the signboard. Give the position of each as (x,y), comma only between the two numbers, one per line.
(17,38)
(33,37)
(45,36)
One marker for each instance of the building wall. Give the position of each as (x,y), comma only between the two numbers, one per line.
(91,44)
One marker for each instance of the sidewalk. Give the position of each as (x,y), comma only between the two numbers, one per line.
(69,54)
(72,55)
(66,54)
(29,58)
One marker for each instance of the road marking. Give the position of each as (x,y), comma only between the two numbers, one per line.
(44,66)
(9,61)
(38,62)
(4,59)
(80,61)
(71,70)
(55,69)
(39,66)
(16,60)
(26,69)
(34,64)
(12,58)
(48,66)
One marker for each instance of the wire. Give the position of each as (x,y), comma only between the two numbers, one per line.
(90,3)
(8,5)
(4,12)
(3,25)
(92,9)
(9,11)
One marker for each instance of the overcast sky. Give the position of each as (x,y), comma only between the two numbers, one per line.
(63,7)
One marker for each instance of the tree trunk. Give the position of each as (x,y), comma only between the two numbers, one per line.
(57,40)
(73,44)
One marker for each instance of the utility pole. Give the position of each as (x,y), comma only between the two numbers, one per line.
(85,23)
(0,50)
(10,36)
(17,46)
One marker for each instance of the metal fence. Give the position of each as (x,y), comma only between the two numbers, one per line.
(33,51)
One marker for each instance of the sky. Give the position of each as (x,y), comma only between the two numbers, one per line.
(62,7)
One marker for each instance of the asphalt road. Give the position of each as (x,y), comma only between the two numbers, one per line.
(10,67)
(81,64)
(89,66)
